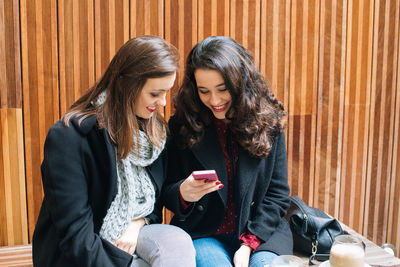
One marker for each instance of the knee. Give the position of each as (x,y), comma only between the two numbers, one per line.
(181,239)
(167,244)
(167,237)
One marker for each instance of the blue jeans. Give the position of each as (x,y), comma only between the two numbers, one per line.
(219,251)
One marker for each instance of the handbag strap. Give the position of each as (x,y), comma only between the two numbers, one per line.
(314,245)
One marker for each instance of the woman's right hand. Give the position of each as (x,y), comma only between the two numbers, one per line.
(128,240)
(193,190)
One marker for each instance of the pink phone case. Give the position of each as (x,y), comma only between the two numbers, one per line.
(210,175)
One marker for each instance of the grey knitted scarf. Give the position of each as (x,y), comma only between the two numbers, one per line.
(136,194)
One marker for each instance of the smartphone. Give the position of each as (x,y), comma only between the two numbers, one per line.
(209,175)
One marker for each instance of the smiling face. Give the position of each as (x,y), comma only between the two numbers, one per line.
(212,92)
(153,95)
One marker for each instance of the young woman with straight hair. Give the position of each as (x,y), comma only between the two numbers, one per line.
(104,167)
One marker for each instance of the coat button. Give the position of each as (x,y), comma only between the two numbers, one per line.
(252,204)
(200,207)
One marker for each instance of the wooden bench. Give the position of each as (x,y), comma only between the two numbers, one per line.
(16,256)
(374,255)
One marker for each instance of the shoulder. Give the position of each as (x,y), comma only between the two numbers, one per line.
(278,145)
(79,125)
(60,133)
(279,137)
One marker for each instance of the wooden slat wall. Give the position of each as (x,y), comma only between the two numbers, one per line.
(305,16)
(181,25)
(330,102)
(12,179)
(10,69)
(356,112)
(111,30)
(394,207)
(40,90)
(76,50)
(147,18)
(13,208)
(275,46)
(181,28)
(213,18)
(245,25)
(381,130)
(333,63)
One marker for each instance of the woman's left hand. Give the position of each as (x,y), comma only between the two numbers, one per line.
(128,240)
(242,256)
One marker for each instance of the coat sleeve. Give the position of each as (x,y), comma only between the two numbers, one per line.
(65,184)
(271,210)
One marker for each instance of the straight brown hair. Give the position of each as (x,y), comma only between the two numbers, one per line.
(136,61)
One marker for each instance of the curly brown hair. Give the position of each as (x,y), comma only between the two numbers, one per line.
(256,116)
(136,61)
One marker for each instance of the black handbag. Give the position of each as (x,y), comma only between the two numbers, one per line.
(313,230)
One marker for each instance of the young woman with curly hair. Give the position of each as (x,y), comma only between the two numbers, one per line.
(228,120)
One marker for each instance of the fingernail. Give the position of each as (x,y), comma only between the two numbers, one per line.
(221,186)
(218,182)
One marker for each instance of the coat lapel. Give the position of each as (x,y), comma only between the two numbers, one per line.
(209,153)
(105,152)
(113,168)
(247,170)
(156,170)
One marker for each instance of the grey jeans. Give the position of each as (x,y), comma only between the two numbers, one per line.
(164,245)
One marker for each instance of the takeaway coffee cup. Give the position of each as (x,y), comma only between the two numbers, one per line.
(347,251)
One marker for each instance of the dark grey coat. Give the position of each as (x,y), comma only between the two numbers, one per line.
(80,181)
(261,190)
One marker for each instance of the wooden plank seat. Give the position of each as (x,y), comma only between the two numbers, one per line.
(16,256)
(375,255)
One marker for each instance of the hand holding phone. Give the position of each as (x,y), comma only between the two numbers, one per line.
(208,175)
(192,190)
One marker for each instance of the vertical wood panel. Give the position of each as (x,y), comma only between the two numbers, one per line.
(393,235)
(356,110)
(184,37)
(213,18)
(302,96)
(76,50)
(330,105)
(40,90)
(245,25)
(12,164)
(3,175)
(147,17)
(3,72)
(12,180)
(111,23)
(180,30)
(10,69)
(381,129)
(275,46)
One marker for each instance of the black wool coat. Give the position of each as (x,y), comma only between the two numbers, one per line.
(261,190)
(80,181)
